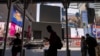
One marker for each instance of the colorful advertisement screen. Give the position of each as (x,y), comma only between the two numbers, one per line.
(13,28)
(16,17)
(2,26)
(77,33)
(96,31)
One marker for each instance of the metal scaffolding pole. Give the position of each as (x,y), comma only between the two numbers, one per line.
(66,4)
(7,25)
(67,37)
(24,12)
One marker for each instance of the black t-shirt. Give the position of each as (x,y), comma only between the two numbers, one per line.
(91,42)
(16,45)
(17,42)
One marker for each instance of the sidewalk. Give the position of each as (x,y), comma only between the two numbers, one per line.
(77,48)
(40,52)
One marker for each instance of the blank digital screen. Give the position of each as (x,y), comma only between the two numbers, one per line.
(49,13)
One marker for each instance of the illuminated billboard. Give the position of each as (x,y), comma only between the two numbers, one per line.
(95,31)
(2,29)
(13,28)
(77,33)
(16,17)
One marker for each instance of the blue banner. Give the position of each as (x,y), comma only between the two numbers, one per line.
(16,17)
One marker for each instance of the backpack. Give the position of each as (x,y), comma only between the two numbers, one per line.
(59,44)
